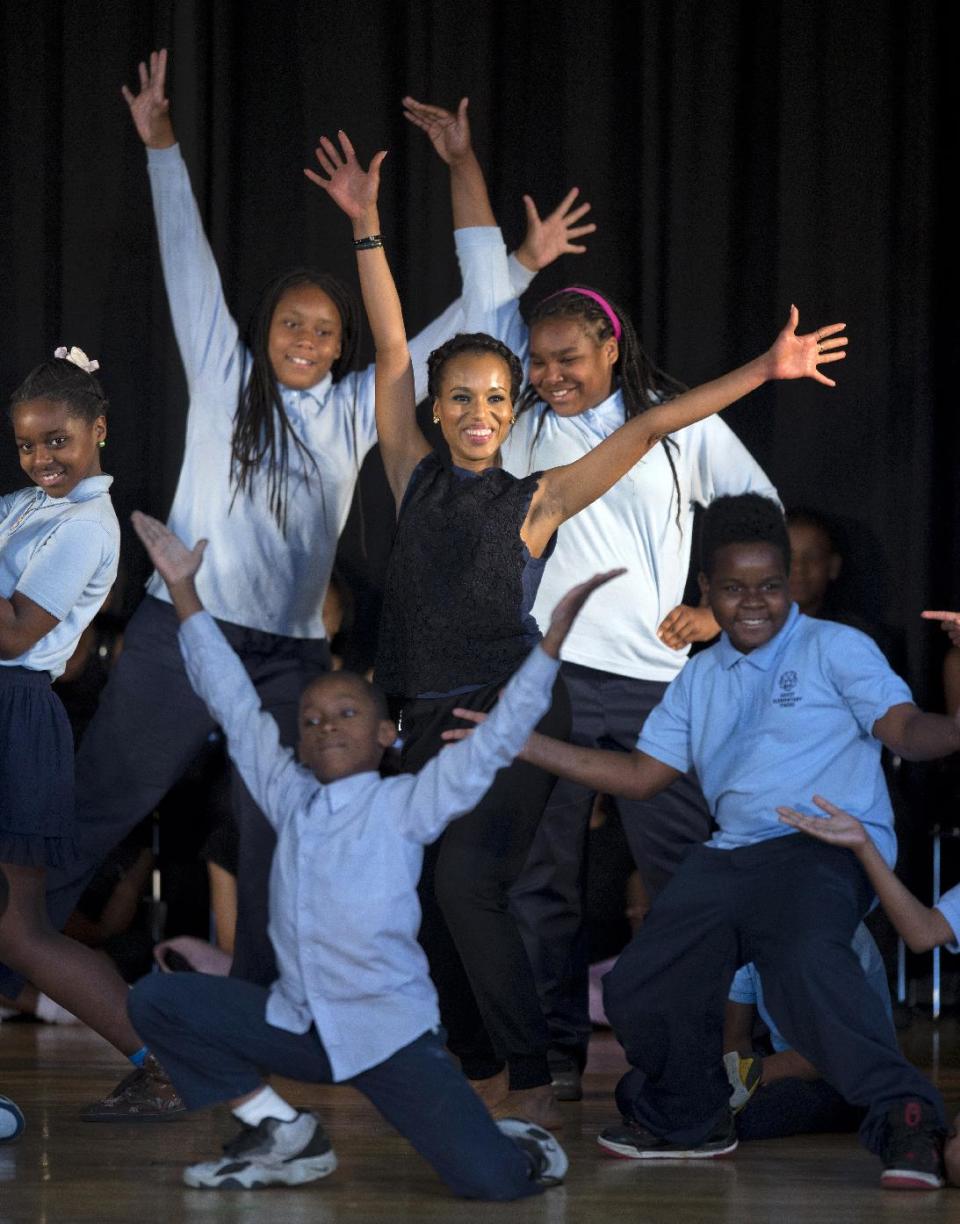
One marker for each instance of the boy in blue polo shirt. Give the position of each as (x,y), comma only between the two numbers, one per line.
(782,707)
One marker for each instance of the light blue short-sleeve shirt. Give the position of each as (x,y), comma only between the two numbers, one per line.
(62,553)
(774,727)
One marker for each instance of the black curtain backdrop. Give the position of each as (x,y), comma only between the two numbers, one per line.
(739,156)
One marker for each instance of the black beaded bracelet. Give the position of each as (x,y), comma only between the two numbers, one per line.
(370,243)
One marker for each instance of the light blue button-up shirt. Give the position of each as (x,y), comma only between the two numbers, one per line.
(774,727)
(255,575)
(344,913)
(62,553)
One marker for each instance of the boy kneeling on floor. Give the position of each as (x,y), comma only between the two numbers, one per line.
(353,1001)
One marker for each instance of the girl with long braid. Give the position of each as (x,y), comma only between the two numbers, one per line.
(469,551)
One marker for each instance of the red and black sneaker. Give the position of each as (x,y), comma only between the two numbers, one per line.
(913,1151)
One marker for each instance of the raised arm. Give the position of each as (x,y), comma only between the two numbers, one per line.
(566,490)
(206,333)
(921,927)
(221,681)
(355,191)
(491,287)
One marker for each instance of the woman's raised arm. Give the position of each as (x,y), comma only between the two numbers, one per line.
(355,191)
(564,491)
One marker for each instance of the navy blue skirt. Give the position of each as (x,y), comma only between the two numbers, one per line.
(36,772)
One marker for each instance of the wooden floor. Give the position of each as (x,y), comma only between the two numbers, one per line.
(63,1171)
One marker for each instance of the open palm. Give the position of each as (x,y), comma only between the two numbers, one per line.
(354,189)
(449,133)
(796,356)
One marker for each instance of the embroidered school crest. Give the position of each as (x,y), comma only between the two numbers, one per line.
(788,695)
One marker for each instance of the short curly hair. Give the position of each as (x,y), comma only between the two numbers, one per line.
(473,343)
(748,518)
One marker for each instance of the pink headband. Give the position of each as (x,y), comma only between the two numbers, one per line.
(601,302)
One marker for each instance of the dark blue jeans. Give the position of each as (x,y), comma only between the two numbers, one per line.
(791,906)
(213,1040)
(149,726)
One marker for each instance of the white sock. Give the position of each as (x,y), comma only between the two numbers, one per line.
(266,1104)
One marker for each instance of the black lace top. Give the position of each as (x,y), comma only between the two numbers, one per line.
(460,583)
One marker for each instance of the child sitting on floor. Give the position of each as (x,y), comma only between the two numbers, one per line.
(353,1000)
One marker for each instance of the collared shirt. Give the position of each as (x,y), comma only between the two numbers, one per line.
(344,913)
(254,575)
(635,524)
(62,553)
(774,727)
(747,987)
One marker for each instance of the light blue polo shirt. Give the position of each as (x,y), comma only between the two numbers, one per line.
(774,727)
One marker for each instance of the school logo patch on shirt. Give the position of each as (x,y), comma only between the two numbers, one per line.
(788,695)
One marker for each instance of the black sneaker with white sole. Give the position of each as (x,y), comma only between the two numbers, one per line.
(912,1152)
(547,1158)
(634,1142)
(273,1153)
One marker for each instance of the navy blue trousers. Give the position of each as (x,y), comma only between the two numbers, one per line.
(547,899)
(791,906)
(794,1106)
(213,1040)
(149,726)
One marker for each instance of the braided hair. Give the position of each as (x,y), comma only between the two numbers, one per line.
(262,433)
(474,343)
(62,382)
(641,383)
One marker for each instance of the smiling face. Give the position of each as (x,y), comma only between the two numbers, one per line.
(748,593)
(342,730)
(569,369)
(57,450)
(305,337)
(474,408)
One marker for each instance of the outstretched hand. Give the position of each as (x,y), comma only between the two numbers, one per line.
(174,562)
(795,356)
(550,237)
(150,108)
(837,828)
(354,189)
(449,132)
(949,623)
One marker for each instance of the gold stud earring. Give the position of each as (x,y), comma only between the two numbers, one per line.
(436,419)
(513,419)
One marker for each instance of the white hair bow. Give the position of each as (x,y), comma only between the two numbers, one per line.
(78,357)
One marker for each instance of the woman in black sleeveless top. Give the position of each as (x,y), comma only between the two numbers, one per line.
(470,545)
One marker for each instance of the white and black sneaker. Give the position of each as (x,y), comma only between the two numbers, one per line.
(273,1153)
(547,1158)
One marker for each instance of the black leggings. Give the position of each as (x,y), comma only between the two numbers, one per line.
(488,998)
